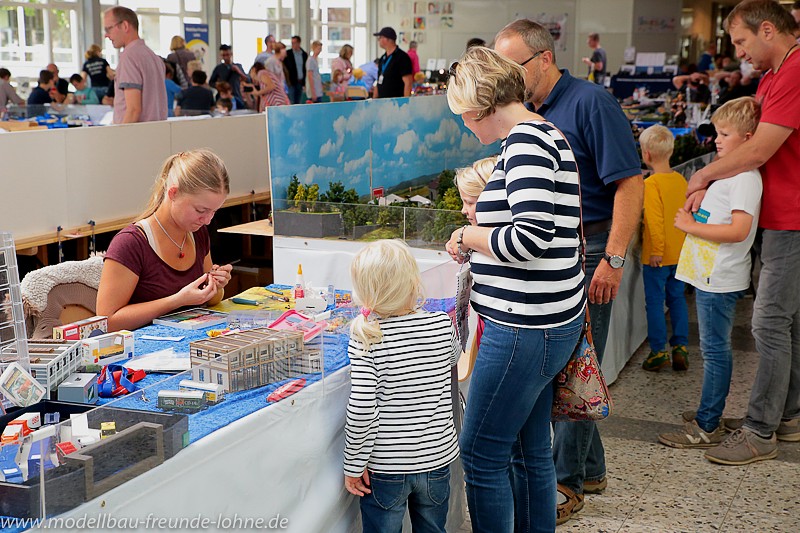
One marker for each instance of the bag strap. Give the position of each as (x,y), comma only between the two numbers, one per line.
(587,324)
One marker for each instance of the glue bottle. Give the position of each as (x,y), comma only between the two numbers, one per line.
(299,284)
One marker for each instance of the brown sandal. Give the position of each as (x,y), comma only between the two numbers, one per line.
(570,507)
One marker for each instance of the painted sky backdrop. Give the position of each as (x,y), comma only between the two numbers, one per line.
(411,137)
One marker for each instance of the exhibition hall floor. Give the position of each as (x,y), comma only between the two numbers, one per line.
(653,488)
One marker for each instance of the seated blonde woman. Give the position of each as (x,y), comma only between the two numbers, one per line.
(162,262)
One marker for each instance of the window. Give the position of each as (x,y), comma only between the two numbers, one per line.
(245,23)
(201,375)
(35,34)
(337,23)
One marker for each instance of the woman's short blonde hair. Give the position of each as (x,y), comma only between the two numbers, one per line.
(471,180)
(742,114)
(386,282)
(657,140)
(483,80)
(177,43)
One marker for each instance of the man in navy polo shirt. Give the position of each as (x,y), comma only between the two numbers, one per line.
(612,194)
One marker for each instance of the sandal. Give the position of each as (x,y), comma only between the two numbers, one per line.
(570,507)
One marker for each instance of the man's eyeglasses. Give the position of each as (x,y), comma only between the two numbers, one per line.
(534,56)
(109,28)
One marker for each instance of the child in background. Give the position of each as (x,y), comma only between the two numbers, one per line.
(173,89)
(399,436)
(224,106)
(337,86)
(716,260)
(664,194)
(470,182)
(83,95)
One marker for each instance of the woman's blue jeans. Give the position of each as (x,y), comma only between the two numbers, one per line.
(427,495)
(715,314)
(508,410)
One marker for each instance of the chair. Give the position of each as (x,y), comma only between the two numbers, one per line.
(355,92)
(60,294)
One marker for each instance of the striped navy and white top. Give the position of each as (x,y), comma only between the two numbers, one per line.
(400,414)
(533,278)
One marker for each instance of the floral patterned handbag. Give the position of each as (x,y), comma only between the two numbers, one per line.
(580,391)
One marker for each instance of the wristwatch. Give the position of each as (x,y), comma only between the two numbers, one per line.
(616,261)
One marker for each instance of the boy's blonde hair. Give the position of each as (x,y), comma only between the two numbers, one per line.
(742,114)
(657,140)
(471,181)
(386,283)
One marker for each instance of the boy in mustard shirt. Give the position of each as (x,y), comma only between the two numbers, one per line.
(664,194)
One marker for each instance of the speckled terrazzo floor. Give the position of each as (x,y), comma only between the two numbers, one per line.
(653,488)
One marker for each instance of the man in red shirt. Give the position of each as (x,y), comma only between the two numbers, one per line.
(763,33)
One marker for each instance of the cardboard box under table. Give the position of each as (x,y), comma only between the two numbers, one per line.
(144,439)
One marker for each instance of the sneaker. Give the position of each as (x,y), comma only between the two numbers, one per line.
(680,358)
(788,430)
(595,487)
(692,436)
(743,447)
(656,361)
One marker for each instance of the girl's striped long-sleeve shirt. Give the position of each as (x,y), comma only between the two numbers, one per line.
(400,413)
(533,277)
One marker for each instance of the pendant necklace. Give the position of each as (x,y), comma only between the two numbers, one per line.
(789,51)
(180,246)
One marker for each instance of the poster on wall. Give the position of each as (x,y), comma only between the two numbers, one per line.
(394,143)
(655,24)
(556,24)
(196,36)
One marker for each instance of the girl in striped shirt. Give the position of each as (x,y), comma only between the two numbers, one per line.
(399,437)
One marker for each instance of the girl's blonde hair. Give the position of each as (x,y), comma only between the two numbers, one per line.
(483,80)
(177,43)
(93,51)
(471,181)
(191,172)
(386,283)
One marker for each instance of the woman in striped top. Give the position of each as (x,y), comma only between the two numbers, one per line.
(527,286)
(399,436)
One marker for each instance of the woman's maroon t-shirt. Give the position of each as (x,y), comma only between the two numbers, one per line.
(157,279)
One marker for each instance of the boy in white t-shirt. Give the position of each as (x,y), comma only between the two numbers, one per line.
(715,259)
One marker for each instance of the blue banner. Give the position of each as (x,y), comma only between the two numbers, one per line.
(196,36)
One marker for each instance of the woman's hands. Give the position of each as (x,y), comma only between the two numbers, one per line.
(456,247)
(358,486)
(199,291)
(221,274)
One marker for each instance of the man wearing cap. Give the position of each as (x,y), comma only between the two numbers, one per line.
(395,72)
